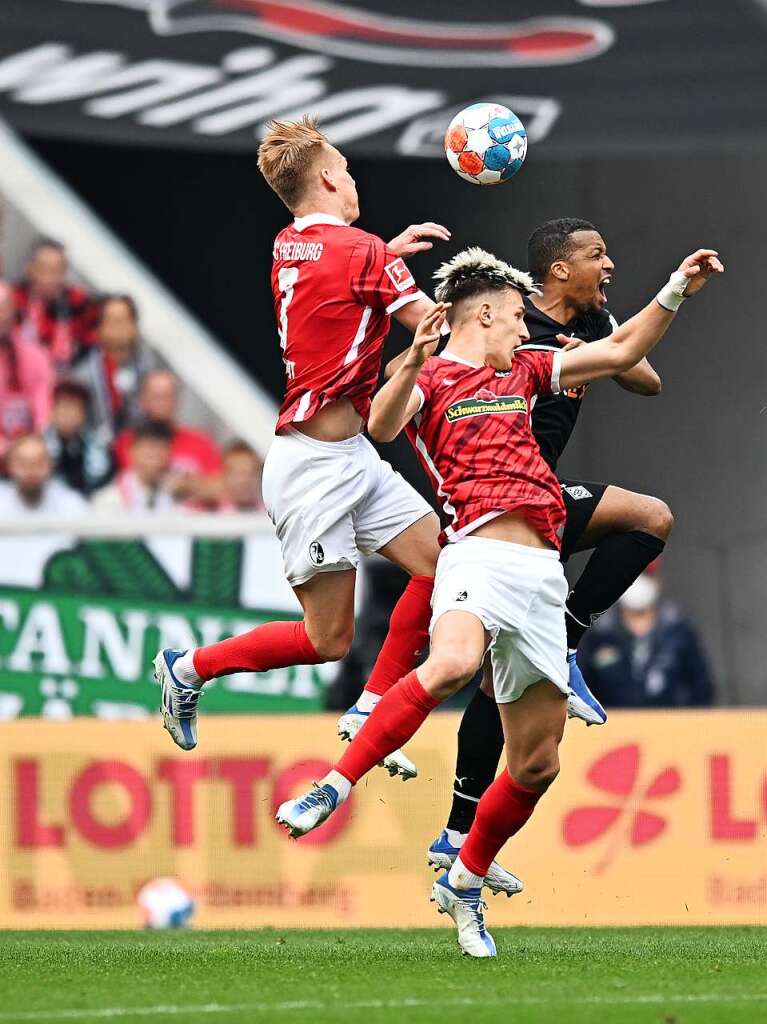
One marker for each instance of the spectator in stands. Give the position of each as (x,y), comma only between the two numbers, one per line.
(146,486)
(195,457)
(52,313)
(30,489)
(241,480)
(80,456)
(114,369)
(26,377)
(644,654)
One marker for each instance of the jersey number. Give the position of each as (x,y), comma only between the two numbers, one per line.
(286,281)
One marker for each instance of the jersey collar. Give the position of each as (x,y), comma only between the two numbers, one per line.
(301,223)
(451,357)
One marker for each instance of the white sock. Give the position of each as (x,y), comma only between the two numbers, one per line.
(367,700)
(460,877)
(340,784)
(455,838)
(183,669)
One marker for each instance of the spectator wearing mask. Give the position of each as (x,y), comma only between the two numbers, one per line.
(26,377)
(145,486)
(30,489)
(195,458)
(80,456)
(241,480)
(52,313)
(644,654)
(114,369)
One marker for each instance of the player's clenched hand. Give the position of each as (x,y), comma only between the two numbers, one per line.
(568,344)
(416,238)
(698,268)
(427,334)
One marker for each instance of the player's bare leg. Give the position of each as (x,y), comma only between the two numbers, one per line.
(325,634)
(415,550)
(533,727)
(459,641)
(479,754)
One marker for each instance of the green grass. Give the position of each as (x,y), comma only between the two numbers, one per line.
(542,976)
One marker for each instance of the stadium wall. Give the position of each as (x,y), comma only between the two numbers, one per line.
(204,222)
(633,832)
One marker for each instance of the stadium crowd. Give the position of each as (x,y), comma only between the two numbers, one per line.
(88,417)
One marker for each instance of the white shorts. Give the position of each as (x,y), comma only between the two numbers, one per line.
(518,594)
(331,500)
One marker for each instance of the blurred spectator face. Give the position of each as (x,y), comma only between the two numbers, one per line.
(151,460)
(70,414)
(29,467)
(639,605)
(159,397)
(7,309)
(118,330)
(46,272)
(242,479)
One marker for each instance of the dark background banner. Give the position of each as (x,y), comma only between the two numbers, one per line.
(586,76)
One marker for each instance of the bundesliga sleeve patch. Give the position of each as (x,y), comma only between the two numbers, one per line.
(399,274)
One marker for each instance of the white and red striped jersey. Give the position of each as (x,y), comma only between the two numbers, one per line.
(335,288)
(472,435)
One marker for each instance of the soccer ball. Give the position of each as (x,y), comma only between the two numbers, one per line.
(486,143)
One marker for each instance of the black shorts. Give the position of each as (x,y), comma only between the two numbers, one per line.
(581,498)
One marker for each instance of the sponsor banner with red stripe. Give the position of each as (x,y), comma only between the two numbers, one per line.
(656,818)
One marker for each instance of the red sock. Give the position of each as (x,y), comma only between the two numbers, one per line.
(408,635)
(273,645)
(503,810)
(397,716)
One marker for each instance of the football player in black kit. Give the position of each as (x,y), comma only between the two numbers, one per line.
(568,257)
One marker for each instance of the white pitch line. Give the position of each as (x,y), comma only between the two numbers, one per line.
(653,998)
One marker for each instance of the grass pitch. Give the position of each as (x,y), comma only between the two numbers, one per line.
(663,975)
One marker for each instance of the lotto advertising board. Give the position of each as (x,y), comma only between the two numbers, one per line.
(657,818)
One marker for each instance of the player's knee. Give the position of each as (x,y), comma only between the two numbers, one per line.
(538,769)
(334,645)
(659,519)
(445,673)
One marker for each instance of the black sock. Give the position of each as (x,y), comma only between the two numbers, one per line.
(480,745)
(617,561)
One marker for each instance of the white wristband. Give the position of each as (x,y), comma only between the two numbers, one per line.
(671,296)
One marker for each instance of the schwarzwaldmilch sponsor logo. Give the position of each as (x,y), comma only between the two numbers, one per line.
(485,403)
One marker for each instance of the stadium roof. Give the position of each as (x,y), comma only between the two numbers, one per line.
(589,77)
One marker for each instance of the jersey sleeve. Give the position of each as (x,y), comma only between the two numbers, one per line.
(423,386)
(379,278)
(544,369)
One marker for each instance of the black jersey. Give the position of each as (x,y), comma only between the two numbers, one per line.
(554,416)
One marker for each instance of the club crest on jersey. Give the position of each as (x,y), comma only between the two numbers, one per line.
(485,403)
(399,274)
(316,553)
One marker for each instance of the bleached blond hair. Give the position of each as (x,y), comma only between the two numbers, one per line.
(287,154)
(474,271)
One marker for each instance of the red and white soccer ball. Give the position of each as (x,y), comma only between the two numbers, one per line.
(486,143)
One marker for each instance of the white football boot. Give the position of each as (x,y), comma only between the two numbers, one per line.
(179,700)
(306,812)
(465,906)
(396,763)
(442,855)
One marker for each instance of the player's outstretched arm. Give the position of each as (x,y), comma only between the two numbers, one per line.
(416,238)
(636,337)
(398,400)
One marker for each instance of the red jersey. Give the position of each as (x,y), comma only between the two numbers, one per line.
(335,288)
(473,437)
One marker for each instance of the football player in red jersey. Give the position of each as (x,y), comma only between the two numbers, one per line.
(325,488)
(500,585)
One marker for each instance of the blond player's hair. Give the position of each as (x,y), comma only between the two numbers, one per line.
(287,154)
(473,271)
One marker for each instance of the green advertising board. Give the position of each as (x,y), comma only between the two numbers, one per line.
(78,638)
